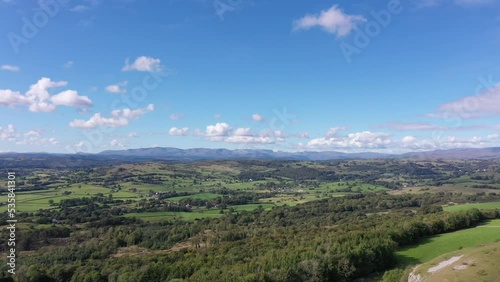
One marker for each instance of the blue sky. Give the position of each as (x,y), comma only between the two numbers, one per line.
(391,76)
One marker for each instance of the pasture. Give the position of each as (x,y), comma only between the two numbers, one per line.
(29,201)
(432,247)
(480,206)
(470,264)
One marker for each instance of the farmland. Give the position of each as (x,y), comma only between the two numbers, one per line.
(463,207)
(259,182)
(479,263)
(263,220)
(435,246)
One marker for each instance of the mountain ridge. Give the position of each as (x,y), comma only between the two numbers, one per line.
(195,154)
(205,153)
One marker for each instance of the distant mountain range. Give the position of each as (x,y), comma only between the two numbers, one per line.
(175,154)
(219,154)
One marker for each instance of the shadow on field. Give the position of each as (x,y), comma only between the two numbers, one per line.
(404,260)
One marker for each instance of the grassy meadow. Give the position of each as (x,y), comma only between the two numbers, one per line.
(438,245)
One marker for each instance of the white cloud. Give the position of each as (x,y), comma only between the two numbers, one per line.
(116,143)
(448,142)
(39,96)
(217,130)
(37,140)
(117,88)
(53,141)
(71,98)
(249,139)
(118,118)
(334,131)
(79,144)
(217,116)
(179,131)
(39,99)
(32,137)
(9,134)
(257,118)
(333,20)
(133,134)
(143,63)
(176,116)
(10,98)
(222,132)
(486,103)
(32,133)
(242,132)
(493,136)
(10,68)
(364,140)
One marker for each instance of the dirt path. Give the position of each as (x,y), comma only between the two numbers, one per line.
(413,277)
(444,264)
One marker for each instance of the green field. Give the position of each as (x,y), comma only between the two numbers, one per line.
(435,246)
(203,196)
(463,207)
(30,201)
(197,214)
(470,264)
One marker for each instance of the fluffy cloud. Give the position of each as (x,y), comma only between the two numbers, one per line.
(249,139)
(257,118)
(334,131)
(179,131)
(71,98)
(37,140)
(32,137)
(363,140)
(333,20)
(38,98)
(448,142)
(10,133)
(218,130)
(10,68)
(118,118)
(242,132)
(143,63)
(117,88)
(486,103)
(11,98)
(223,132)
